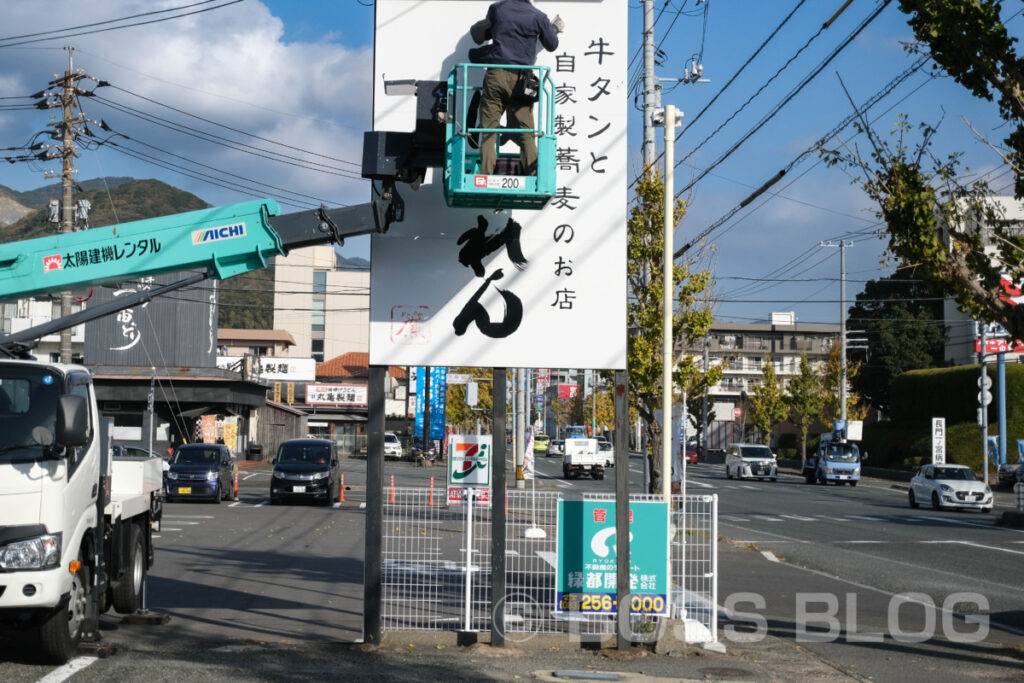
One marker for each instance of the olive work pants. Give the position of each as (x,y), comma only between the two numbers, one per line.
(496,99)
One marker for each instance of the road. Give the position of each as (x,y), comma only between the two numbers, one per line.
(247,572)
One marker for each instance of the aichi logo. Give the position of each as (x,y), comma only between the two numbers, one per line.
(224,232)
(52,263)
(480,181)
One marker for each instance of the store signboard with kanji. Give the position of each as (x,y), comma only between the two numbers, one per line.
(513,288)
(336,394)
(586,572)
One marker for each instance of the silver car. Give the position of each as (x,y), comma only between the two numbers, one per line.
(744,460)
(949,486)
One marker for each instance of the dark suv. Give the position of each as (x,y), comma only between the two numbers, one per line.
(201,470)
(305,469)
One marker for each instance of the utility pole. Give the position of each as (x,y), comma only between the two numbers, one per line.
(67,100)
(842,323)
(650,85)
(704,407)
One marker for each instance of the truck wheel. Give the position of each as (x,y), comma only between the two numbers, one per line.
(60,634)
(853,483)
(822,480)
(128,592)
(809,478)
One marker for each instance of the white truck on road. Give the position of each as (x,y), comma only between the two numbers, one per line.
(581,458)
(75,523)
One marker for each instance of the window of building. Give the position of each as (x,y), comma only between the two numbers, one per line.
(730,341)
(259,350)
(317,350)
(319,306)
(319,281)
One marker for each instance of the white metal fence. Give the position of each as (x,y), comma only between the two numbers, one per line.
(424,565)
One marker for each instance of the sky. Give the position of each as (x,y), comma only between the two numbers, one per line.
(292,78)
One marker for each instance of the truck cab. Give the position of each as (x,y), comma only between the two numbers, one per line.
(834,461)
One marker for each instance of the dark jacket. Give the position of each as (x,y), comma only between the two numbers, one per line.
(515,26)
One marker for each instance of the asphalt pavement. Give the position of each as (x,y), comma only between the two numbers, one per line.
(275,594)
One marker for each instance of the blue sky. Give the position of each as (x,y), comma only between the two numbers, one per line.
(299,71)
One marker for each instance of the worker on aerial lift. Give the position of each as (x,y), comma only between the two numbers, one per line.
(513,27)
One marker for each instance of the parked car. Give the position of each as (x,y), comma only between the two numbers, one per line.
(392,446)
(305,469)
(541,443)
(1009,474)
(201,471)
(556,447)
(744,460)
(952,486)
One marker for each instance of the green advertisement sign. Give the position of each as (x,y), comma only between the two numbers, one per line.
(586,579)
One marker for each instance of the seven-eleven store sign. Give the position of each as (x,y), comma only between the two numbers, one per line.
(469,468)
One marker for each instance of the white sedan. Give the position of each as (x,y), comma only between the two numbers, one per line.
(951,486)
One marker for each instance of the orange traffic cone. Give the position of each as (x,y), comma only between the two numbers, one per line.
(430,500)
(235,494)
(391,498)
(341,493)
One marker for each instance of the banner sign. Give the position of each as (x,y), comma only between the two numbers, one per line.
(586,574)
(438,401)
(336,395)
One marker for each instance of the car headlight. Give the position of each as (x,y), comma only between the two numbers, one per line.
(988,489)
(172,475)
(856,471)
(322,475)
(40,552)
(278,475)
(945,487)
(211,476)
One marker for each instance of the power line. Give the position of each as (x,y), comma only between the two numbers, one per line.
(778,107)
(236,130)
(114,28)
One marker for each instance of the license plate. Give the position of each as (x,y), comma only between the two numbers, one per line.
(184,490)
(299,489)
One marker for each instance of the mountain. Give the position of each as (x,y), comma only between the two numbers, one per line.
(246,301)
(41,196)
(11,210)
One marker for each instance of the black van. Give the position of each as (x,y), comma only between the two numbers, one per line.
(305,469)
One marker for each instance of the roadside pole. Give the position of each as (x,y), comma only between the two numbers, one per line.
(498,540)
(373,562)
(622,587)
(984,407)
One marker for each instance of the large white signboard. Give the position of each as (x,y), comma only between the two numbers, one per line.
(573,285)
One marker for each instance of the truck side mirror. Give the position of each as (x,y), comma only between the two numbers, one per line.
(72,421)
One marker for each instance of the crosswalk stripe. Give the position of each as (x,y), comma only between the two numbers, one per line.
(800,518)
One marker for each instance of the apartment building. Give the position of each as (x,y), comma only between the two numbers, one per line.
(743,349)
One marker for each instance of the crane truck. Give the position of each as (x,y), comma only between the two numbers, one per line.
(76,523)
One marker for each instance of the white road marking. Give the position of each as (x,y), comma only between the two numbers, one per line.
(863,542)
(800,518)
(734,518)
(235,504)
(980,545)
(768,519)
(868,518)
(549,557)
(749,487)
(963,523)
(167,528)
(188,516)
(68,670)
(769,555)
(253,474)
(690,482)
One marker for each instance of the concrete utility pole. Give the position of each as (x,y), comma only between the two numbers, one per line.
(520,436)
(67,100)
(667,301)
(650,85)
(842,323)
